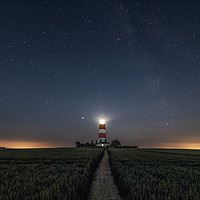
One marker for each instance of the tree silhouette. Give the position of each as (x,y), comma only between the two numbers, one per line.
(78,144)
(115,143)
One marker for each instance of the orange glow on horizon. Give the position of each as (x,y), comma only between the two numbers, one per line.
(187,146)
(37,144)
(26,144)
(176,146)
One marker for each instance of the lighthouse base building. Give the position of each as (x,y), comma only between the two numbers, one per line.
(102,140)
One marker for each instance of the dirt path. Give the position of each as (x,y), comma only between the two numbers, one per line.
(103,186)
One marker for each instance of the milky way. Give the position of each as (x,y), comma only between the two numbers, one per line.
(64,64)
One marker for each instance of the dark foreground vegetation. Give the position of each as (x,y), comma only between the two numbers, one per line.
(157,174)
(47,173)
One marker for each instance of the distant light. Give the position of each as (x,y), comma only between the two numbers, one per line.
(82,118)
(102,121)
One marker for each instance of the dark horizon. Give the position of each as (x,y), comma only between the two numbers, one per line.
(65,64)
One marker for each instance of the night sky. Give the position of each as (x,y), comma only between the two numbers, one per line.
(64,64)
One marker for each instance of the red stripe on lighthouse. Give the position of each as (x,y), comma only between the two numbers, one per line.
(102,135)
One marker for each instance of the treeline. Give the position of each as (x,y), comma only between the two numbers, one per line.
(87,144)
(114,143)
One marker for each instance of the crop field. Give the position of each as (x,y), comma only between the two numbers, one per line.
(47,173)
(156,174)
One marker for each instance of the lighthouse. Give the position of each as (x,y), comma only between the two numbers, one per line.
(102,141)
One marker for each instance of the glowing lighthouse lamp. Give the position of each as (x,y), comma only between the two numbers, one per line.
(102,141)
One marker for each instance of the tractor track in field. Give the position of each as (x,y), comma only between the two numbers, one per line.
(103,185)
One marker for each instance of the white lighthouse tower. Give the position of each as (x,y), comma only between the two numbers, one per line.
(102,141)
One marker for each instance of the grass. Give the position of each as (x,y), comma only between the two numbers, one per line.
(47,173)
(156,173)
